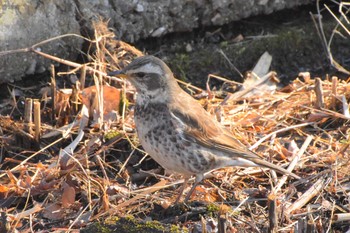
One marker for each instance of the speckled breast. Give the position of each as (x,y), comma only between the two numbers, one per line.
(162,140)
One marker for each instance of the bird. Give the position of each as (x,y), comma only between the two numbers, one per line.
(177,132)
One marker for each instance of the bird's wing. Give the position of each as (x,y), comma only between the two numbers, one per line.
(198,126)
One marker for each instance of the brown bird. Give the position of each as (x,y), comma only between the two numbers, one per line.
(177,132)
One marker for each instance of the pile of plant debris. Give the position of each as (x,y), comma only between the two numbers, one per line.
(71,158)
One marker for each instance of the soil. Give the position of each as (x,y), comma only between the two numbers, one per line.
(290,36)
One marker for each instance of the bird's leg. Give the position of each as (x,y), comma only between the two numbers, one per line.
(198,179)
(182,190)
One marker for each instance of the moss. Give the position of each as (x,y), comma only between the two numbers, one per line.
(212,208)
(103,229)
(111,220)
(176,229)
(153,225)
(182,64)
(111,134)
(123,101)
(129,218)
(224,44)
(97,228)
(130,224)
(295,47)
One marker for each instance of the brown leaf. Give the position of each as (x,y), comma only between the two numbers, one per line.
(53,212)
(68,196)
(317,117)
(111,99)
(3,189)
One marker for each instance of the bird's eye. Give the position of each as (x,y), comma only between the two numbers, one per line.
(140,75)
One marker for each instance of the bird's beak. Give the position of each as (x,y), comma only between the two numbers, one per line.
(118,73)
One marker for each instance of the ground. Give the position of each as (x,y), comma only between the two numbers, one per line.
(120,185)
(290,36)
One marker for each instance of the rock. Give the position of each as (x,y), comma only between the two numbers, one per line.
(189,48)
(25,23)
(158,32)
(139,8)
(217,19)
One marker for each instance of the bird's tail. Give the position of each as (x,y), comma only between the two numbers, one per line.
(274,167)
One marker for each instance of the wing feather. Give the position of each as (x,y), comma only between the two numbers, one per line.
(198,126)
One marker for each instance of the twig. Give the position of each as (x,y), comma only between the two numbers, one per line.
(36,208)
(278,131)
(82,77)
(310,226)
(28,115)
(242,93)
(319,94)
(74,64)
(126,162)
(341,217)
(230,63)
(189,85)
(222,222)
(37,120)
(314,190)
(293,163)
(223,79)
(345,106)
(273,219)
(149,190)
(334,92)
(335,17)
(53,92)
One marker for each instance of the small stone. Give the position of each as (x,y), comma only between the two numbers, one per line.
(189,48)
(31,68)
(158,32)
(262,2)
(217,19)
(73,78)
(40,69)
(139,8)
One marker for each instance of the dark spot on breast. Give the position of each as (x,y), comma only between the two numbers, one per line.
(180,146)
(212,161)
(156,138)
(186,143)
(177,153)
(173,139)
(202,160)
(191,157)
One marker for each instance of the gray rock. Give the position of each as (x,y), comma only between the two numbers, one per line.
(139,8)
(24,23)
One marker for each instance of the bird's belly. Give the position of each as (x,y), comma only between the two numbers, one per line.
(171,151)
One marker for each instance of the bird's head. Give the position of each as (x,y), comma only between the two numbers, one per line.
(151,77)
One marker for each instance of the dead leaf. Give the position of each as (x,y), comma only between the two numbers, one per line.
(3,189)
(53,212)
(68,196)
(317,117)
(111,99)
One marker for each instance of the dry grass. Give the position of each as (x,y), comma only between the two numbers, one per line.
(61,183)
